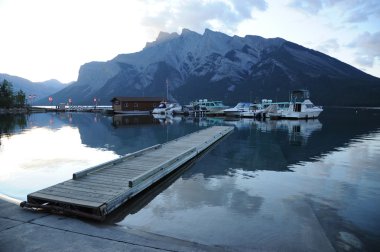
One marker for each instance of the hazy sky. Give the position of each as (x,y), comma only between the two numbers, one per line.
(46,39)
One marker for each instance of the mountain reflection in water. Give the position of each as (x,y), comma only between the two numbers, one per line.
(294,185)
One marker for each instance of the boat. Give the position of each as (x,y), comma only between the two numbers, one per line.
(238,110)
(206,106)
(255,110)
(258,110)
(161,108)
(173,109)
(167,108)
(299,107)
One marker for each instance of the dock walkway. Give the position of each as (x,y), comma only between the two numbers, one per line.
(97,191)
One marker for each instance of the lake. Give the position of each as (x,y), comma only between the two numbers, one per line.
(269,185)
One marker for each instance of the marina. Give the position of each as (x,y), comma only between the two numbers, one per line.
(299,106)
(97,191)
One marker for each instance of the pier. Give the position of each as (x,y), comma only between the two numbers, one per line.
(93,109)
(97,191)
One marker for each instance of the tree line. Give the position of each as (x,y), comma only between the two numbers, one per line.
(9,99)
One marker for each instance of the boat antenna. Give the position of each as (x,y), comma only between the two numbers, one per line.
(167,90)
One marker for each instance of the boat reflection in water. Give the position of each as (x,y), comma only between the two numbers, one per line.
(298,130)
(167,119)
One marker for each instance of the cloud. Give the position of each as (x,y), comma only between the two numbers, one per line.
(367,48)
(363,11)
(352,11)
(328,46)
(200,14)
(309,6)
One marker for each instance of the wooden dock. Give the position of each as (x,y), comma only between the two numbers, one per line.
(97,191)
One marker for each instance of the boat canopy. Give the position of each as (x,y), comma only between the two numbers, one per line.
(299,95)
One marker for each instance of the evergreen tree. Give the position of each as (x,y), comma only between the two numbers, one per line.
(20,99)
(6,94)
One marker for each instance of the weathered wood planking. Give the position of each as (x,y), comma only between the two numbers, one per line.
(96,191)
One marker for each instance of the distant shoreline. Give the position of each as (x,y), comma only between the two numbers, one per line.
(26,110)
(352,107)
(13,111)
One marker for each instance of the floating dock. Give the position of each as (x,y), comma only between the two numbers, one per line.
(97,191)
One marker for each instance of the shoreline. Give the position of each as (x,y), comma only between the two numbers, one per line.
(25,230)
(4,111)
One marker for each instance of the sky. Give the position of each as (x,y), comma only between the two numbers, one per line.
(51,39)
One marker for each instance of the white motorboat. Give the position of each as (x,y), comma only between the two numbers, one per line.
(300,107)
(255,110)
(238,110)
(205,105)
(161,108)
(167,108)
(174,108)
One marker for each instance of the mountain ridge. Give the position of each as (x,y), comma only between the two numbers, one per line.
(218,66)
(39,89)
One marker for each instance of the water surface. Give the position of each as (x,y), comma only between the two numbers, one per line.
(292,185)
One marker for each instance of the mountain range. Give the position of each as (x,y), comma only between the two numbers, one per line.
(35,89)
(216,66)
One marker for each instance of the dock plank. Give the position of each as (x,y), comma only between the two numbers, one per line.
(45,196)
(105,192)
(91,186)
(76,194)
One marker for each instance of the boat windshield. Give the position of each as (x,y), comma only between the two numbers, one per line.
(300,95)
(243,105)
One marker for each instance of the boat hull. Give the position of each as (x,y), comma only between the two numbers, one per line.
(301,115)
(234,113)
(253,114)
(159,111)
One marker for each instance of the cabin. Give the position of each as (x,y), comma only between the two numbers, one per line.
(135,104)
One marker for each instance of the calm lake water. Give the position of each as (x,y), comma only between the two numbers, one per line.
(288,185)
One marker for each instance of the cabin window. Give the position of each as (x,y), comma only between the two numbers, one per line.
(136,105)
(117,102)
(126,104)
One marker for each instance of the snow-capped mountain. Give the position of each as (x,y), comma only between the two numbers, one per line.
(217,66)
